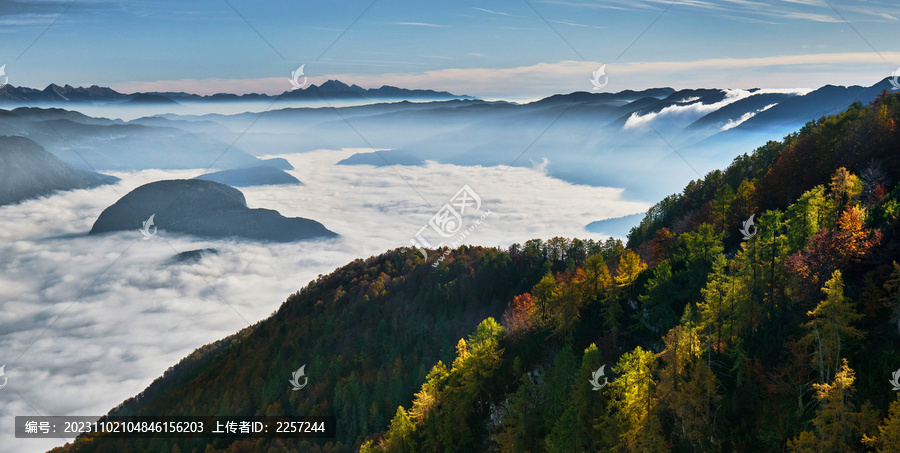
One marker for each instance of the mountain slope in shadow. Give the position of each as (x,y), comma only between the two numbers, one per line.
(27,171)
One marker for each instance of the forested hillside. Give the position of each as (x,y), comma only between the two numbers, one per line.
(708,341)
(368,333)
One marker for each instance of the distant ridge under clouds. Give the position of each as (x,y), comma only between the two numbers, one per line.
(332,89)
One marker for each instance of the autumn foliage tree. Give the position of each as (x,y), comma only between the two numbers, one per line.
(630,265)
(636,402)
(837,426)
(831,250)
(888,438)
(519,317)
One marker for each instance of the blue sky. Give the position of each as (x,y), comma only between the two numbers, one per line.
(512,49)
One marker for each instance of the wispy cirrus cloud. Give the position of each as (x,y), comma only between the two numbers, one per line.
(499,13)
(744,10)
(417,24)
(29,13)
(26,20)
(575,24)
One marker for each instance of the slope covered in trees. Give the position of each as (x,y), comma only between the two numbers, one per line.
(711,342)
(698,339)
(368,334)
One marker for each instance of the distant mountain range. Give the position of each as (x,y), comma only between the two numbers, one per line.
(332,89)
(102,144)
(28,171)
(622,139)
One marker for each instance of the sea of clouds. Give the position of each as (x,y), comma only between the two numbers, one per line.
(88,321)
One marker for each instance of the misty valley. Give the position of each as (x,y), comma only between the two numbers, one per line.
(643,270)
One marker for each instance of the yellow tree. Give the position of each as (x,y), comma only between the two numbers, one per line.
(399,436)
(836,426)
(688,389)
(744,203)
(636,403)
(829,326)
(810,212)
(428,399)
(596,276)
(844,186)
(630,266)
(888,438)
(544,293)
(570,299)
(447,404)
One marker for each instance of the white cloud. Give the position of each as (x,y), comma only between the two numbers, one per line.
(688,110)
(731,124)
(541,166)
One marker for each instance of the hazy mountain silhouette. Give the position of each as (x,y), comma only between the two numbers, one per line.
(146,98)
(279,163)
(27,170)
(382,158)
(104,144)
(616,226)
(827,100)
(192,256)
(332,89)
(253,176)
(203,208)
(56,93)
(665,135)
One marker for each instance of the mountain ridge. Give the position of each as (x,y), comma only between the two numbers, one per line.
(331,89)
(29,171)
